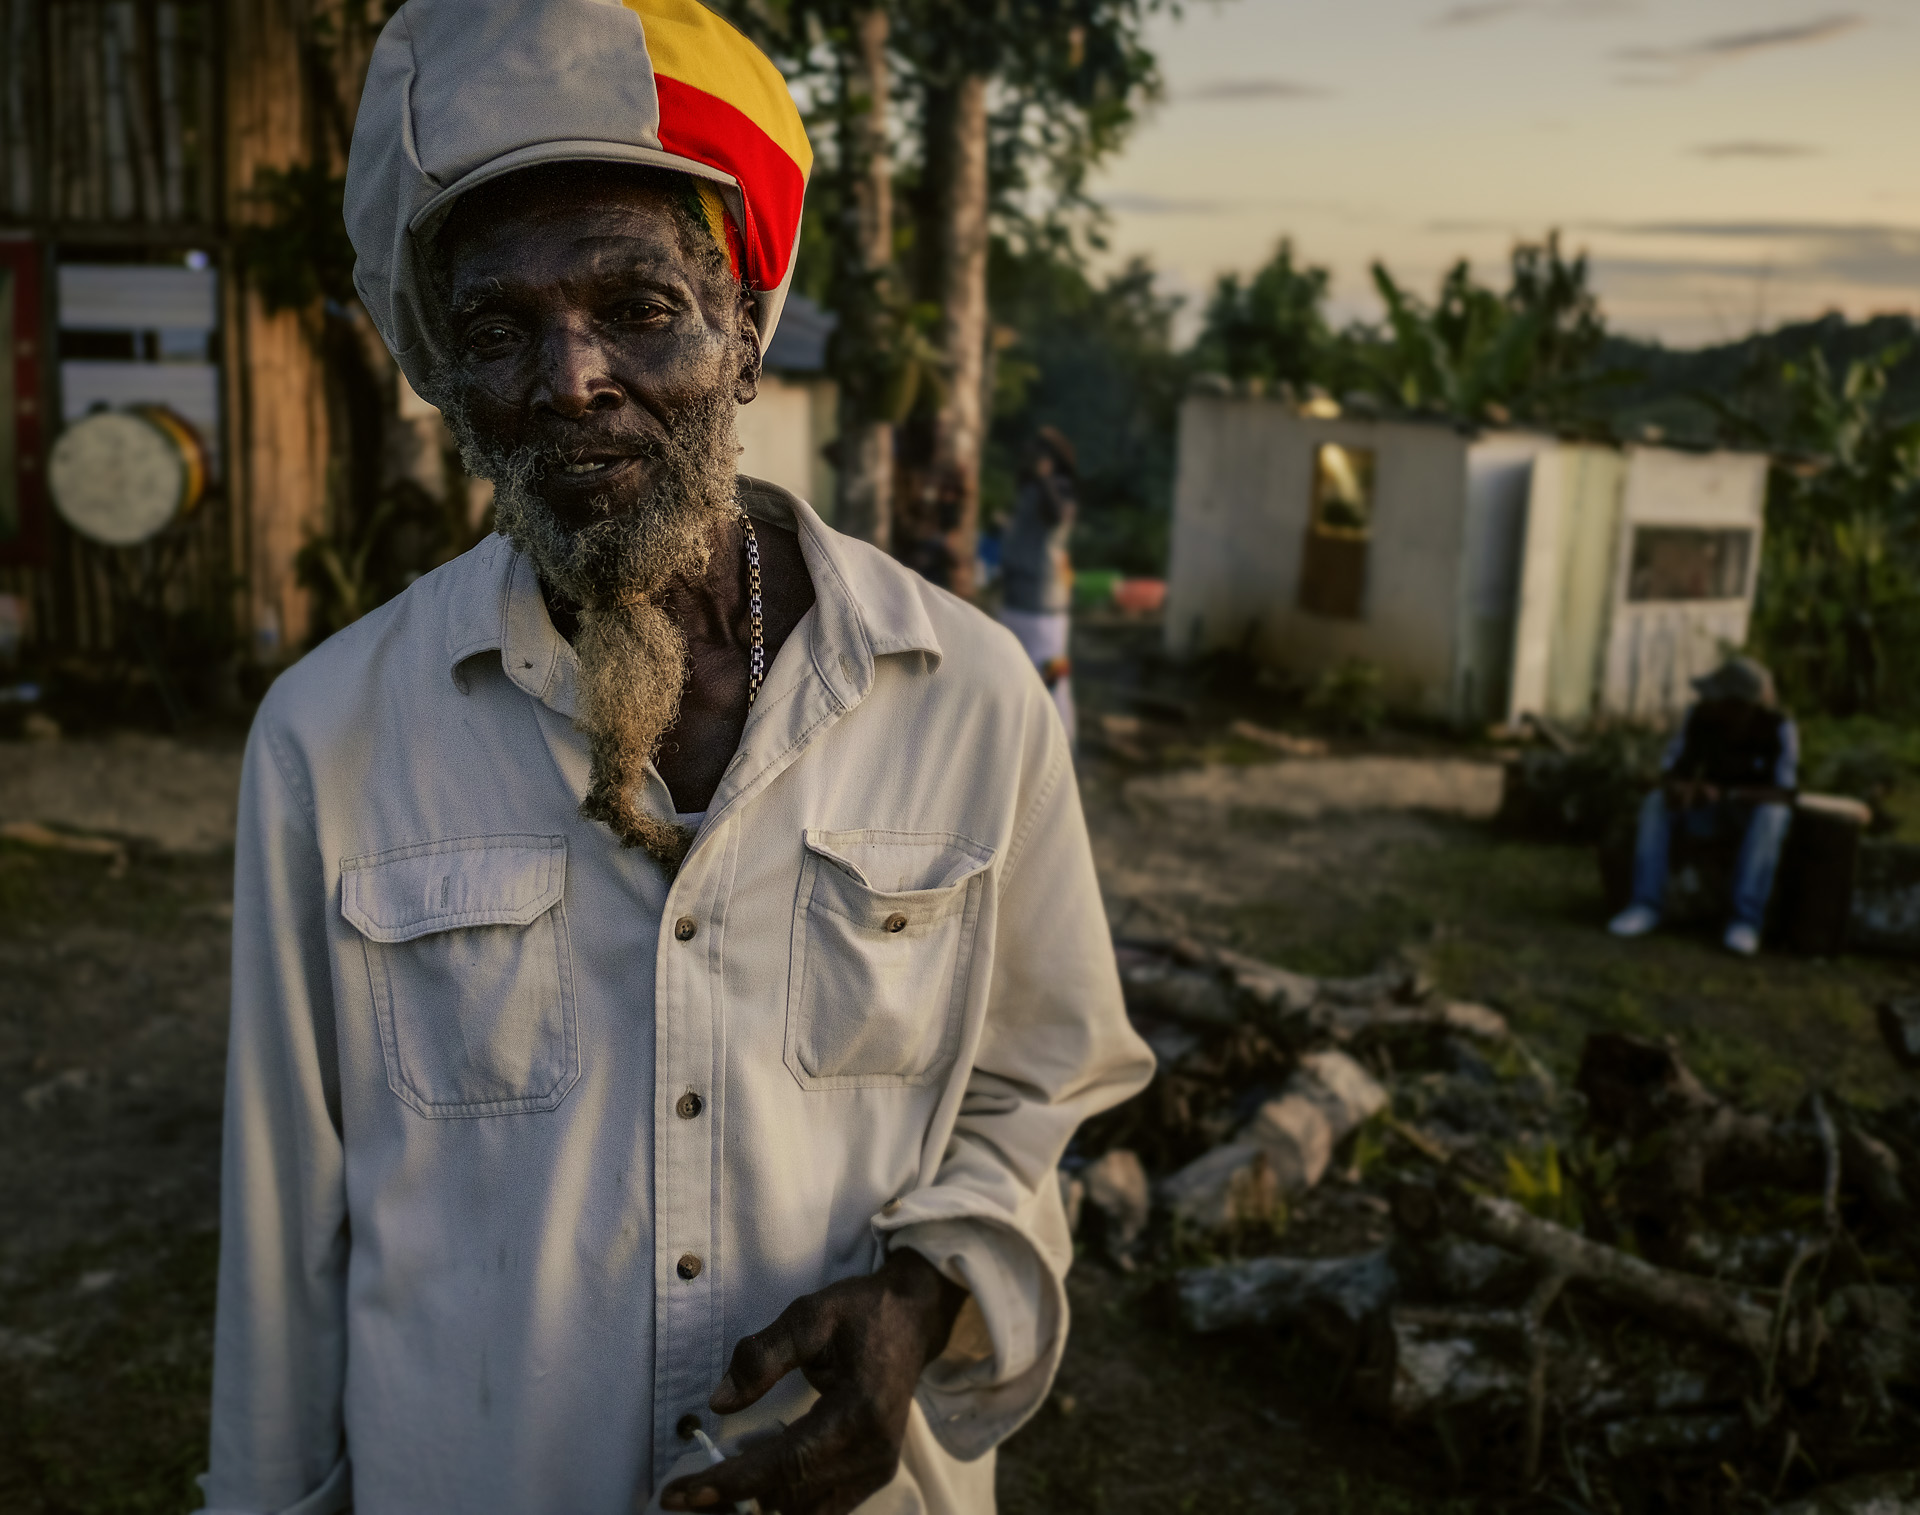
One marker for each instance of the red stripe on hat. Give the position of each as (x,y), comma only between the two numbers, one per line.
(703,127)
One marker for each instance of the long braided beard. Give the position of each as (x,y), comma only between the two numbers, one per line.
(633,658)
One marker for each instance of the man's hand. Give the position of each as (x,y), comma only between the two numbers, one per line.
(1689,792)
(863,1343)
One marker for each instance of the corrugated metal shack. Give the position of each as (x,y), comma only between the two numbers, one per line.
(1488,575)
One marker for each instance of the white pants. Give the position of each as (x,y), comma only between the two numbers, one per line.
(1044,635)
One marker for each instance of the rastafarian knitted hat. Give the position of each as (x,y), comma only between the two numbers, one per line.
(462,91)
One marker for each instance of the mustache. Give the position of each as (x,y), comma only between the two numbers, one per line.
(543,453)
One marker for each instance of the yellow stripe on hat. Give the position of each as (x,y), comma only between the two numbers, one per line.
(715,212)
(688,42)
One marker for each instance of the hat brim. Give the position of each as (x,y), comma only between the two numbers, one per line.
(428,218)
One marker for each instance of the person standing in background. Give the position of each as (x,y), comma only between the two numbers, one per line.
(1037,571)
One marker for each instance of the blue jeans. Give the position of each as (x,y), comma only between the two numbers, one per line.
(1762,830)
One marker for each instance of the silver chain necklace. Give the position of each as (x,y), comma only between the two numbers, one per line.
(757,668)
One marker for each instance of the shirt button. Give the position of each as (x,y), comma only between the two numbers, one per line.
(689,1105)
(896,922)
(684,928)
(688,1267)
(687,1426)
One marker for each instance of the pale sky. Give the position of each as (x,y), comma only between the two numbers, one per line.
(1728,163)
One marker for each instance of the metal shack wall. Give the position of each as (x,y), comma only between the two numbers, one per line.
(1242,497)
(1654,649)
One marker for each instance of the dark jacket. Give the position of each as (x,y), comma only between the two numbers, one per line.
(1733,744)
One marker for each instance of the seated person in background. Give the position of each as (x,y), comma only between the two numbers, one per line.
(1730,771)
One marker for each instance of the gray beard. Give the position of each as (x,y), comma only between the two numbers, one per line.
(633,658)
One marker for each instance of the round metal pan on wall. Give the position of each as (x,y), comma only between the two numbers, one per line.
(119,477)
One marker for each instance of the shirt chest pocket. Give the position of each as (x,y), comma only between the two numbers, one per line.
(471,973)
(883,934)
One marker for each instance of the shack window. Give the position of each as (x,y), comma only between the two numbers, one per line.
(1687,563)
(1333,559)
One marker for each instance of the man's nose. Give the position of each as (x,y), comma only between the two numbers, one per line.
(577,374)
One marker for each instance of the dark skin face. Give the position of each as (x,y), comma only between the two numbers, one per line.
(589,326)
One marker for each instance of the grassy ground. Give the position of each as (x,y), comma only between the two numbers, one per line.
(111,1040)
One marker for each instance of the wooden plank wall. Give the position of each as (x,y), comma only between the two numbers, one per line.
(277,387)
(130,123)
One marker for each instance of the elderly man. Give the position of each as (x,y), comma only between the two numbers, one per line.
(668,963)
(1729,773)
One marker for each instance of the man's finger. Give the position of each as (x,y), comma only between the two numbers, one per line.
(820,1462)
(761,1360)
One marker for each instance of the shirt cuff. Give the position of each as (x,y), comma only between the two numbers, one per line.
(334,1494)
(1007,1341)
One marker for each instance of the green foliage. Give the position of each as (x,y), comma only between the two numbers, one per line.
(1096,361)
(1589,793)
(1481,356)
(1472,354)
(298,251)
(1838,616)
(1350,697)
(367,559)
(1272,327)
(1534,1180)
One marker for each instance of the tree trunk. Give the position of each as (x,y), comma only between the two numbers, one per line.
(865,506)
(961,424)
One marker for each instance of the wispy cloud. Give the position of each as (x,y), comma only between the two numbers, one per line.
(1252,89)
(1864,253)
(1747,148)
(1166,205)
(1673,62)
(1473,12)
(1477,12)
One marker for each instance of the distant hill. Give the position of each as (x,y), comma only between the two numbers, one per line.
(1664,393)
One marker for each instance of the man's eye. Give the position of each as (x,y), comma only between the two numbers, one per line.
(489,334)
(641,310)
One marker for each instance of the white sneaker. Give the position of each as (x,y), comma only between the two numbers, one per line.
(1741,938)
(1635,920)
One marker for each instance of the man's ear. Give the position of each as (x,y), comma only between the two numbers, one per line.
(747,385)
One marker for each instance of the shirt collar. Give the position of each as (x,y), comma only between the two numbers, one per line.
(866,606)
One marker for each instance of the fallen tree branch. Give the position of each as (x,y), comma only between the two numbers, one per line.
(1538,1304)
(1696,1304)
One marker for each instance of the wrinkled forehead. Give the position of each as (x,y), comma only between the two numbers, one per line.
(602,214)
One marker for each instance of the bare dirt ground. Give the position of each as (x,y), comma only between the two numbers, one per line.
(112,1021)
(112,1045)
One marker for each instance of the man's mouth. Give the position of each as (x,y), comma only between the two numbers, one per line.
(595,469)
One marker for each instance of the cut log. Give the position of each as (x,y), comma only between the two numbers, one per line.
(1423,1362)
(1428,1362)
(1282,1152)
(1268,1291)
(1874,1494)
(1158,987)
(1116,1190)
(1676,1435)
(1233,1186)
(1449,1269)
(1900,1027)
(1685,1142)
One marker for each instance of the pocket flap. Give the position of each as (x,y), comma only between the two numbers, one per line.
(901,862)
(439,886)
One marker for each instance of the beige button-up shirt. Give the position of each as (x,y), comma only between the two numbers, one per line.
(521,1137)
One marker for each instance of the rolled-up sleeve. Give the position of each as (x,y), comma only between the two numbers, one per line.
(1056,1048)
(277,1443)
